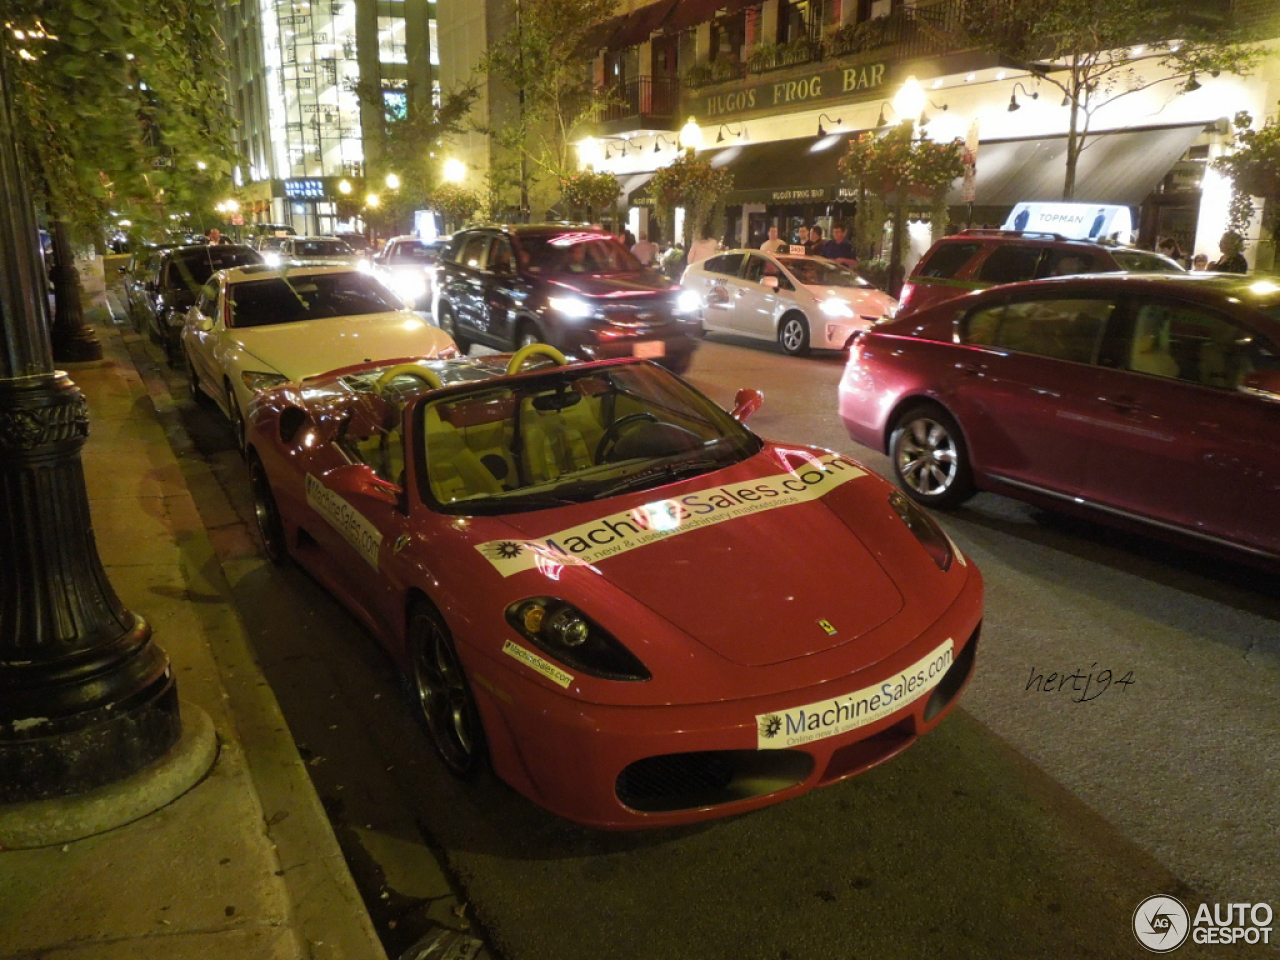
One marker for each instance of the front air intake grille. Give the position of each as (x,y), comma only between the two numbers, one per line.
(682,781)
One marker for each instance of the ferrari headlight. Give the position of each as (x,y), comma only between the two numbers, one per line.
(257,380)
(835,307)
(571,307)
(566,633)
(688,301)
(925,528)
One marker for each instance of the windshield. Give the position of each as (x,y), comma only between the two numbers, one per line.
(192,270)
(597,254)
(822,273)
(321,248)
(570,437)
(288,299)
(1140,261)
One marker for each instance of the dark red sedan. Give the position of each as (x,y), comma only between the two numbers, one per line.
(1138,399)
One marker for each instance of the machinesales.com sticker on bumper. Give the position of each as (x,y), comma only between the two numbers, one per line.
(620,532)
(837,715)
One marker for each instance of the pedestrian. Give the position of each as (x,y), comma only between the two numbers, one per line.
(629,239)
(1169,247)
(214,235)
(645,250)
(814,247)
(840,249)
(701,249)
(773,244)
(1232,259)
(1200,262)
(802,236)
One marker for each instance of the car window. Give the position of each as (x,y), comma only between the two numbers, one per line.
(321,248)
(1187,342)
(208,304)
(1143,261)
(728,264)
(499,259)
(585,252)
(474,251)
(1062,329)
(1066,263)
(947,259)
(759,267)
(822,273)
(410,252)
(277,300)
(1010,263)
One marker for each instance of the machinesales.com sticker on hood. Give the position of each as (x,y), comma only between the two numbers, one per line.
(618,533)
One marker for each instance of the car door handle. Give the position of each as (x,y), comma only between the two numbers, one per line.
(1122,403)
(972,369)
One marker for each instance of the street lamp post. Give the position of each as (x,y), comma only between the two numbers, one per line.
(85,698)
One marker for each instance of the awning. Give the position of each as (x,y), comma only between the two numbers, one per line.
(690,13)
(1119,168)
(638,27)
(630,183)
(602,33)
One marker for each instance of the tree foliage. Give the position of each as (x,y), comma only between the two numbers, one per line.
(543,61)
(121,105)
(690,182)
(589,191)
(456,204)
(1096,52)
(413,148)
(1254,168)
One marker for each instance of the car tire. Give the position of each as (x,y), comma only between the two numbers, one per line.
(193,380)
(528,334)
(793,334)
(266,514)
(442,696)
(449,324)
(236,416)
(930,457)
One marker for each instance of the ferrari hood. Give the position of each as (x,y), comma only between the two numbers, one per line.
(309,347)
(770,586)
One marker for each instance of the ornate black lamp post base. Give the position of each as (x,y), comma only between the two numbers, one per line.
(85,697)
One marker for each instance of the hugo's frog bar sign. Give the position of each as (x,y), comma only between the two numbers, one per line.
(830,84)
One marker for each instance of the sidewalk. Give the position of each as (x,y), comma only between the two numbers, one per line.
(243,865)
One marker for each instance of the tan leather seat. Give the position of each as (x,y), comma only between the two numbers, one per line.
(453,469)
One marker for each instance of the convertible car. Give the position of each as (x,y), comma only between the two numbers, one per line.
(607,588)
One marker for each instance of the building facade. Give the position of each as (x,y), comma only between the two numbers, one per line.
(306,134)
(779,86)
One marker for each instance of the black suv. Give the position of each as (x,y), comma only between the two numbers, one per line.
(977,259)
(172,289)
(573,287)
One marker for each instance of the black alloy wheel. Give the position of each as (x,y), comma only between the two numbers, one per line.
(442,695)
(449,324)
(193,380)
(930,458)
(266,514)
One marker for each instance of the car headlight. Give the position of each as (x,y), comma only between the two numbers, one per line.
(925,528)
(688,301)
(571,307)
(566,633)
(834,307)
(257,380)
(272,259)
(410,286)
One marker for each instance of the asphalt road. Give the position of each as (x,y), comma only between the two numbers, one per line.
(1027,826)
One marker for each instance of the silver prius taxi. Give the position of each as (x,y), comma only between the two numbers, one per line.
(801,302)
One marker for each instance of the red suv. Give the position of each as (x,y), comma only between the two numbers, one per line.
(977,259)
(1134,398)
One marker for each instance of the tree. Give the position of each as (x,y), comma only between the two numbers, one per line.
(896,169)
(544,60)
(119,105)
(692,183)
(412,148)
(589,192)
(1098,51)
(1254,168)
(455,204)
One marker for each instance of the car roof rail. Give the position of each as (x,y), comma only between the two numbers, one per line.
(998,232)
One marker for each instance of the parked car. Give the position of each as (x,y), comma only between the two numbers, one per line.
(798,302)
(574,287)
(1141,399)
(357,242)
(977,259)
(179,274)
(143,263)
(407,265)
(311,250)
(259,327)
(577,569)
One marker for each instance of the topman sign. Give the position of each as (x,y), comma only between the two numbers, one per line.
(833,83)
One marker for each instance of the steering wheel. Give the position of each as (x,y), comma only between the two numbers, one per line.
(428,377)
(613,433)
(534,350)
